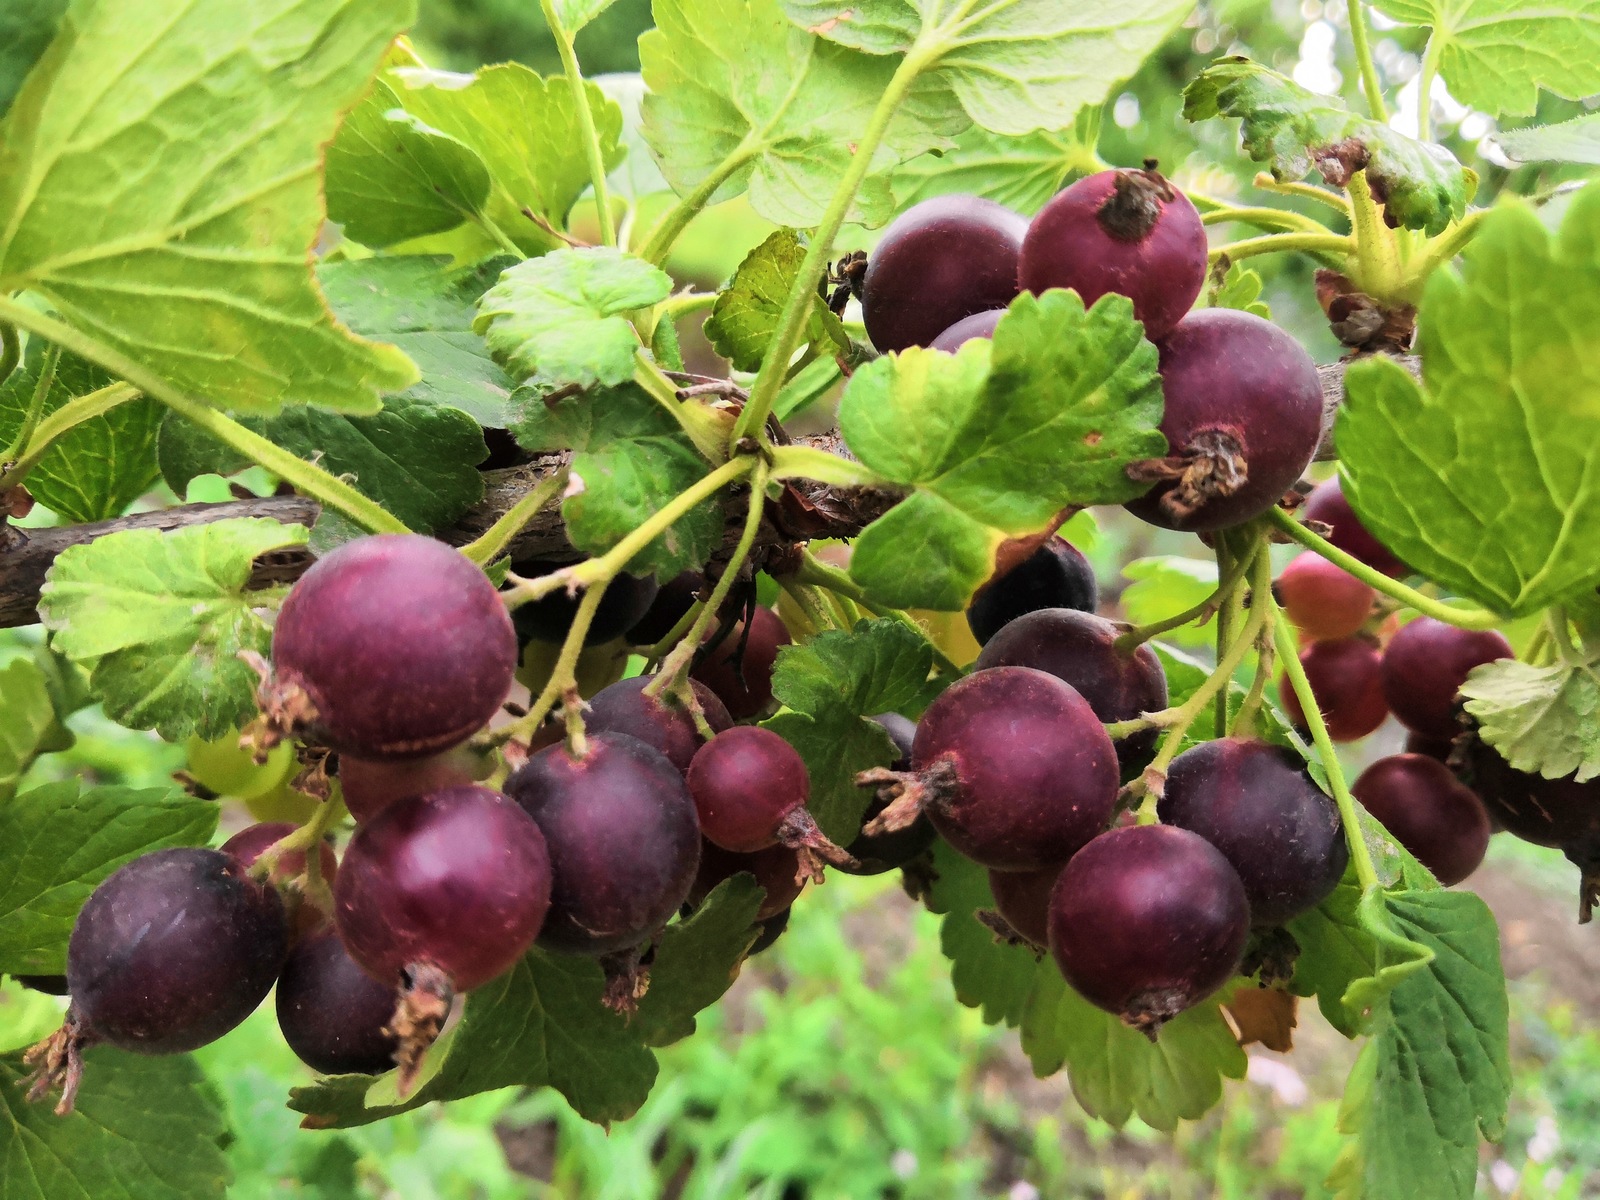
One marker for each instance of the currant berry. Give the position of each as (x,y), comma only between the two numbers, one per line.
(1080,648)
(1128,232)
(739,667)
(627,598)
(624,841)
(875,854)
(1012,767)
(1259,806)
(1326,505)
(1147,921)
(939,261)
(1243,419)
(1056,575)
(1424,667)
(370,787)
(672,603)
(978,325)
(250,842)
(1547,812)
(771,930)
(1022,898)
(1428,811)
(334,1015)
(661,722)
(393,646)
(1430,747)
(1324,602)
(1346,679)
(776,869)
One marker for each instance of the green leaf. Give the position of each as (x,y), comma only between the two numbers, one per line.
(418,460)
(1240,288)
(1420,184)
(1335,951)
(739,94)
(56,844)
(158,618)
(638,175)
(1542,720)
(746,314)
(145,1127)
(199,271)
(1482,475)
(526,131)
(25,32)
(1497,54)
(539,1025)
(1437,1073)
(1020,171)
(989,975)
(98,467)
(1166,585)
(562,318)
(390,177)
(575,14)
(1574,141)
(997,451)
(697,961)
(830,686)
(31,726)
(632,458)
(427,310)
(1014,67)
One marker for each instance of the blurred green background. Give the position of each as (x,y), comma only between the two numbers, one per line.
(841,1065)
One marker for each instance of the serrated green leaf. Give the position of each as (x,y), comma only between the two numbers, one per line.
(1542,720)
(391,177)
(1497,54)
(418,460)
(638,175)
(56,844)
(632,458)
(1021,172)
(30,727)
(1240,288)
(1168,584)
(25,32)
(738,92)
(697,961)
(1420,184)
(1014,67)
(747,313)
(1481,475)
(539,1025)
(526,131)
(989,975)
(98,467)
(562,318)
(427,309)
(830,686)
(1335,951)
(198,271)
(145,1127)
(1574,141)
(996,448)
(575,14)
(158,619)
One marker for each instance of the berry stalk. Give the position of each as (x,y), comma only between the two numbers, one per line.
(580,100)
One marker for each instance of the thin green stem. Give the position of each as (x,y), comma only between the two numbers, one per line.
(302,840)
(704,428)
(1226,560)
(500,236)
(1446,246)
(1376,253)
(30,419)
(1429,72)
(304,477)
(1464,618)
(74,412)
(1130,641)
(813,570)
(1244,721)
(686,303)
(1349,813)
(671,226)
(1369,67)
(1306,191)
(802,293)
(1284,243)
(811,601)
(494,539)
(586,129)
(1264,218)
(10,350)
(563,677)
(675,634)
(807,462)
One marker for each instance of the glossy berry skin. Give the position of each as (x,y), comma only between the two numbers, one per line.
(1128,232)
(745,781)
(1428,811)
(939,261)
(457,879)
(1030,775)
(332,1013)
(623,836)
(776,869)
(1323,601)
(248,844)
(1326,504)
(402,645)
(370,787)
(1148,920)
(672,602)
(657,721)
(547,619)
(743,681)
(1547,812)
(1056,575)
(173,950)
(1022,898)
(1346,679)
(1258,805)
(978,325)
(1425,665)
(877,853)
(1079,648)
(1234,381)
(1429,747)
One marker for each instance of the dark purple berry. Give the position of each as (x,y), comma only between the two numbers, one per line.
(1424,667)
(776,869)
(1428,811)
(1327,506)
(627,598)
(1022,898)
(334,1015)
(370,787)
(661,722)
(1056,575)
(739,667)
(671,604)
(1347,681)
(978,325)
